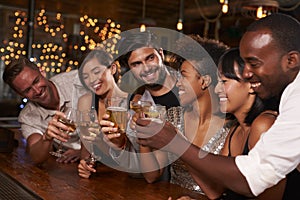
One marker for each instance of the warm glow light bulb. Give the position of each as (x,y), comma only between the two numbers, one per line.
(221,1)
(142,28)
(224,8)
(179,25)
(259,12)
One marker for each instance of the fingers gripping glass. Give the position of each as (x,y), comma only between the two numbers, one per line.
(89,129)
(117,109)
(156,113)
(70,122)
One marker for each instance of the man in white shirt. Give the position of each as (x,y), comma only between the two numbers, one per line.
(270,48)
(39,124)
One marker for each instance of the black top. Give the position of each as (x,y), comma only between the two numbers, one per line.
(292,185)
(169,99)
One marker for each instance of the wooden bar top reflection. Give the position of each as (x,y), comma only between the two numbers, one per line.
(53,180)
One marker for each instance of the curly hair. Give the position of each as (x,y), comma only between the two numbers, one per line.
(207,54)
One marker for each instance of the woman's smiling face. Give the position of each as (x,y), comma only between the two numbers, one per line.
(189,84)
(97,77)
(233,94)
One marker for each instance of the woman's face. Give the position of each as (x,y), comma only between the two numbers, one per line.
(97,77)
(189,84)
(233,94)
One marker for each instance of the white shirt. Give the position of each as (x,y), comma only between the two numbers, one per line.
(278,151)
(34,118)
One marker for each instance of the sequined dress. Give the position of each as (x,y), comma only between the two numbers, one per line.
(179,172)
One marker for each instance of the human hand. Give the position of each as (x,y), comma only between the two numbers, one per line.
(85,170)
(111,135)
(154,134)
(134,117)
(54,129)
(70,156)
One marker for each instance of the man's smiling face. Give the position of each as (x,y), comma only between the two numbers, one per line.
(147,66)
(263,63)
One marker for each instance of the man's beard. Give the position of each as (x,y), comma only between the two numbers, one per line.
(160,81)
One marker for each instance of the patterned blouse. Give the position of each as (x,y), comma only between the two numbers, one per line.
(179,171)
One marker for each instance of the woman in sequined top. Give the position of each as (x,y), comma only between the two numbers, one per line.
(202,119)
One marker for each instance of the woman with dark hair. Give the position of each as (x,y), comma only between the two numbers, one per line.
(238,98)
(99,74)
(204,125)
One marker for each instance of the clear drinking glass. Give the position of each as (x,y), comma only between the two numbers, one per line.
(70,121)
(89,130)
(139,106)
(117,108)
(157,113)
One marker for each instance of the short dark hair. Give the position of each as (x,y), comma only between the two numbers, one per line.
(284,28)
(131,41)
(103,57)
(15,67)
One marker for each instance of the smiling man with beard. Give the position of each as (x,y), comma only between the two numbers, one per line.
(46,99)
(142,55)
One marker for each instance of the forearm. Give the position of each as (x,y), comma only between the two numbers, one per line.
(218,173)
(84,152)
(38,147)
(127,158)
(149,165)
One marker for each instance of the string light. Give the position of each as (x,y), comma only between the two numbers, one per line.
(179,25)
(259,12)
(52,56)
(180,20)
(143,28)
(225,7)
(93,35)
(258,9)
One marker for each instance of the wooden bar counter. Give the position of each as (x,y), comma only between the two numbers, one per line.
(53,180)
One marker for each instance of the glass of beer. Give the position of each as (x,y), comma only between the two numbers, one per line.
(139,106)
(70,122)
(157,113)
(117,108)
(89,132)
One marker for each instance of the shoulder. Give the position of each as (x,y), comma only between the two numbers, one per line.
(261,124)
(85,101)
(30,110)
(33,110)
(264,120)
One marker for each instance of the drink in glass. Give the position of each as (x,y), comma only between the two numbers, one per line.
(156,113)
(117,108)
(89,130)
(139,106)
(118,116)
(69,121)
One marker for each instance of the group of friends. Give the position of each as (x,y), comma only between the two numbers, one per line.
(240,138)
